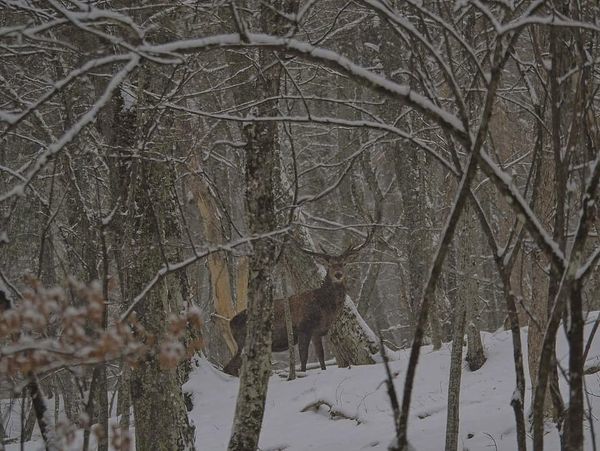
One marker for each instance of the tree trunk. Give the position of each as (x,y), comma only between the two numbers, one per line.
(102,410)
(40,410)
(156,392)
(220,277)
(256,358)
(575,412)
(540,290)
(261,154)
(469,291)
(453,417)
(475,353)
(155,387)
(124,399)
(290,337)
(353,341)
(71,398)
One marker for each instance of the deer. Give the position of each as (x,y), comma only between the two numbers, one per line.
(312,312)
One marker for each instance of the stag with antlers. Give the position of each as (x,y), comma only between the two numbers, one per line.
(312,312)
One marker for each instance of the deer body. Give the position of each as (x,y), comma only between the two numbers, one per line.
(312,312)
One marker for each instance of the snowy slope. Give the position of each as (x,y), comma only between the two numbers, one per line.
(358,393)
(486,415)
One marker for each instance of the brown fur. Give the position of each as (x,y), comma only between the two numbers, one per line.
(312,312)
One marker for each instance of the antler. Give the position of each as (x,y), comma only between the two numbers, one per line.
(323,255)
(354,249)
(351,250)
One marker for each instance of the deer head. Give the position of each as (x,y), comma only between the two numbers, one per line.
(335,265)
(336,271)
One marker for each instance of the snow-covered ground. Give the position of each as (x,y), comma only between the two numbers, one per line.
(487,421)
(358,393)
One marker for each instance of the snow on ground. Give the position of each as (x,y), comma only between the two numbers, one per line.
(359,395)
(487,421)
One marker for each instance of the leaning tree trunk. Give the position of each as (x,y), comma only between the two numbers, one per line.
(353,341)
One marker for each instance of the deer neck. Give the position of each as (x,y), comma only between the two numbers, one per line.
(336,292)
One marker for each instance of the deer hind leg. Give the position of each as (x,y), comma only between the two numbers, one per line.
(318,344)
(237,325)
(303,341)
(233,367)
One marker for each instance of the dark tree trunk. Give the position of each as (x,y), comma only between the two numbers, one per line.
(39,408)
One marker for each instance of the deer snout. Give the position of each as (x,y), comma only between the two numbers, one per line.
(338,275)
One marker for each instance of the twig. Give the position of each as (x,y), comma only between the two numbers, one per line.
(333,412)
(390,386)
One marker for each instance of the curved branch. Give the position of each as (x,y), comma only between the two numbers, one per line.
(376,82)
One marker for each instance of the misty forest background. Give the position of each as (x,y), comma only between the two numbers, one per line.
(163,163)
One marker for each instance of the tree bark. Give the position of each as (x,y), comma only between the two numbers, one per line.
(40,410)
(290,337)
(256,358)
(543,203)
(124,399)
(261,154)
(220,277)
(155,389)
(354,343)
(453,417)
(469,290)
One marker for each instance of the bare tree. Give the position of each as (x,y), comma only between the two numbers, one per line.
(129,134)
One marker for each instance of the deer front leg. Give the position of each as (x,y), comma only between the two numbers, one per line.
(318,344)
(303,340)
